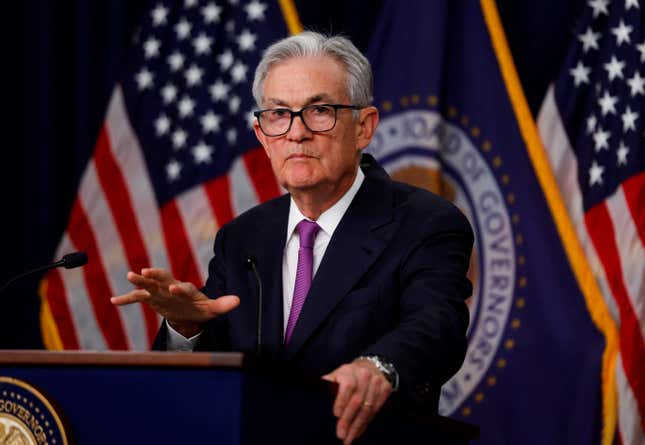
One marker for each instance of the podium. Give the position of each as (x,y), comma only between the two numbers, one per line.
(199,398)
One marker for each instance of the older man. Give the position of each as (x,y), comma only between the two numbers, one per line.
(364,278)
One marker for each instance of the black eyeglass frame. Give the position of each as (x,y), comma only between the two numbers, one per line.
(298,113)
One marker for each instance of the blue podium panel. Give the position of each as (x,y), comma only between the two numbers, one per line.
(137,405)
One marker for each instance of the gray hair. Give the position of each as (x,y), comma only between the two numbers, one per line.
(311,44)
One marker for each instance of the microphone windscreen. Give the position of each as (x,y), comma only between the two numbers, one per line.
(75,259)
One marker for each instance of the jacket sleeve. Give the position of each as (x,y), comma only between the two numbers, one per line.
(429,344)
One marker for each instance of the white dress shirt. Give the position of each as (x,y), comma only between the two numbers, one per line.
(328,221)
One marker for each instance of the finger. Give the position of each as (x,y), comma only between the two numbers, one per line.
(346,386)
(223,304)
(141,281)
(349,413)
(332,385)
(135,296)
(366,411)
(355,404)
(382,395)
(183,289)
(157,274)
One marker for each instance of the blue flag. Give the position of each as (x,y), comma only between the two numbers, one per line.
(454,120)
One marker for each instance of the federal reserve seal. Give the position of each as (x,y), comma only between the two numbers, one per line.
(448,157)
(27,417)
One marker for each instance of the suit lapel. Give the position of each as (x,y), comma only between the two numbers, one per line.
(359,239)
(267,244)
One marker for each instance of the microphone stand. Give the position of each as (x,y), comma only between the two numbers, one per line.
(250,264)
(69,261)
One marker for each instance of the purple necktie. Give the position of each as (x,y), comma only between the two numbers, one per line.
(307,231)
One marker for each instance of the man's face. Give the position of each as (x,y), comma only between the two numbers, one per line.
(301,159)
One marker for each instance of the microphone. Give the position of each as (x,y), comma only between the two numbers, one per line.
(69,261)
(250,262)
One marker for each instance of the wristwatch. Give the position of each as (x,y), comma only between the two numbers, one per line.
(386,367)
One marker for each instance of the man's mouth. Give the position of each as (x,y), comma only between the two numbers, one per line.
(301,156)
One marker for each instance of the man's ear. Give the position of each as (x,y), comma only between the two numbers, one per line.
(261,136)
(367,122)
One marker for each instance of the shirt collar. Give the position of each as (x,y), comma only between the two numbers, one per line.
(330,218)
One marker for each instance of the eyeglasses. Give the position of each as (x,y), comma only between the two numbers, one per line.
(317,118)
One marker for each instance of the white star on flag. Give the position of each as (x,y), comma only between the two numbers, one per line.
(193,75)
(225,60)
(202,153)
(595,173)
(601,139)
(607,103)
(591,124)
(255,10)
(629,119)
(614,68)
(210,122)
(211,13)
(162,125)
(182,28)
(168,93)
(186,106)
(176,61)
(238,72)
(599,7)
(636,84)
(622,33)
(234,104)
(173,169)
(630,3)
(622,153)
(219,90)
(144,79)
(246,41)
(580,74)
(641,49)
(202,44)
(159,15)
(151,48)
(589,39)
(179,138)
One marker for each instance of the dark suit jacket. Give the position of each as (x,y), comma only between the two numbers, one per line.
(392,282)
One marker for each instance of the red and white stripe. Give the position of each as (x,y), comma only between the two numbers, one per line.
(612,234)
(117,221)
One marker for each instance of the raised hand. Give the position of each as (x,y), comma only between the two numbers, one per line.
(180,303)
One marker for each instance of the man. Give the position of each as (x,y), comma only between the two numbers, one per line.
(385,310)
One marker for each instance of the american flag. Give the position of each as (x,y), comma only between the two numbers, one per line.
(175,159)
(593,128)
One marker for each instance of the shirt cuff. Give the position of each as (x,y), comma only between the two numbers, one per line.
(177,342)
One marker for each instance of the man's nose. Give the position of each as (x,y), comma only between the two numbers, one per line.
(298,130)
